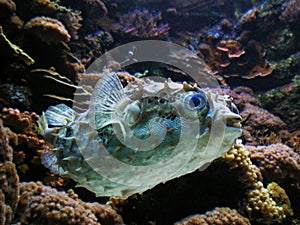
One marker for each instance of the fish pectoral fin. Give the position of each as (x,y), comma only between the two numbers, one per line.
(108,92)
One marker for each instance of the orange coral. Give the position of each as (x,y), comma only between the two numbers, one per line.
(22,130)
(47,30)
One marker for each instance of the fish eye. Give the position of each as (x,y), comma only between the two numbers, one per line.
(197,101)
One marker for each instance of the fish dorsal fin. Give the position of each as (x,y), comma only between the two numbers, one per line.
(108,92)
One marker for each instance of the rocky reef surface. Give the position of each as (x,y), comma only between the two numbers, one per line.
(252,49)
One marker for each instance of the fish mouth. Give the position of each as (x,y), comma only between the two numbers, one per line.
(234,121)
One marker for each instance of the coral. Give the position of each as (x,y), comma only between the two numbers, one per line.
(43,7)
(261,204)
(22,130)
(9,183)
(15,96)
(92,47)
(47,30)
(9,50)
(241,96)
(7,7)
(291,13)
(239,157)
(219,216)
(142,24)
(71,20)
(258,122)
(259,201)
(259,126)
(89,8)
(232,58)
(232,48)
(40,204)
(52,9)
(280,197)
(284,102)
(294,141)
(93,13)
(277,162)
(9,180)
(6,151)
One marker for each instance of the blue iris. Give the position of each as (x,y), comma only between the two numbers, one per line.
(197,101)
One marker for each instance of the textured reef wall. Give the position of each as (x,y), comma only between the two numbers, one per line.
(252,49)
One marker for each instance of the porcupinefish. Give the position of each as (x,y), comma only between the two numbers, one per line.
(134,137)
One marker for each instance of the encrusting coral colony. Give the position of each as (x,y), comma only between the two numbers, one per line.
(251,48)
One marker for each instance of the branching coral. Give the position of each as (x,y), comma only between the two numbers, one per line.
(277,162)
(40,204)
(47,30)
(259,200)
(142,24)
(219,216)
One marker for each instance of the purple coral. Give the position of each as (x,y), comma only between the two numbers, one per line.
(142,24)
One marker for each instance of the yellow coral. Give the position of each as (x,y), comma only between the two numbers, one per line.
(259,199)
(280,197)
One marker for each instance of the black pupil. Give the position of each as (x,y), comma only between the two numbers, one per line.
(197,101)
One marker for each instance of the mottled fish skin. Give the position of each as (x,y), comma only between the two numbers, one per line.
(120,119)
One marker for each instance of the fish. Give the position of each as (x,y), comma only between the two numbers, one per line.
(134,137)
